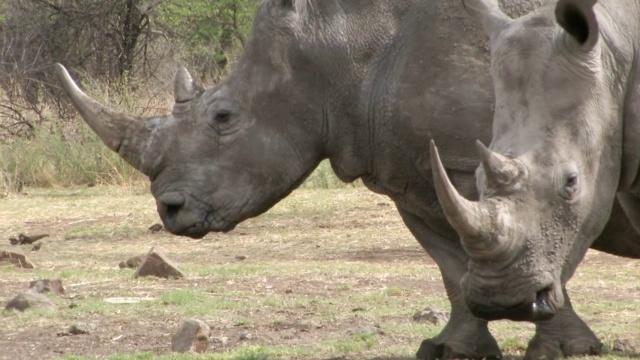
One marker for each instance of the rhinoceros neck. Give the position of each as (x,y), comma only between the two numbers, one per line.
(365,33)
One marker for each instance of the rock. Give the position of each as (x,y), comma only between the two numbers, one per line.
(157,264)
(193,336)
(246,336)
(156,227)
(36,246)
(219,340)
(16,258)
(240,257)
(26,301)
(435,317)
(132,262)
(623,345)
(46,285)
(26,239)
(81,328)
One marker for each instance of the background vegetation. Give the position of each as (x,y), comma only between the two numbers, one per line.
(124,53)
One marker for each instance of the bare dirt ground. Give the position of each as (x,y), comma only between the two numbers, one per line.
(328,274)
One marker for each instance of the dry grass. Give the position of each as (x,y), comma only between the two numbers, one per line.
(319,264)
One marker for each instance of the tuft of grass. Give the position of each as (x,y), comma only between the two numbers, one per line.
(51,160)
(195,303)
(355,343)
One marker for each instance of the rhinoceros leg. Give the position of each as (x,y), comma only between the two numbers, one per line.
(464,336)
(565,334)
(620,236)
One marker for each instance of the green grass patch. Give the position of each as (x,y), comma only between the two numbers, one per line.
(354,343)
(190,302)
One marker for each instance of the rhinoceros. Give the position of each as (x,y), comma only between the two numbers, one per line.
(562,169)
(364,84)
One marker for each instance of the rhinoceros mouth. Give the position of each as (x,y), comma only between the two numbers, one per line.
(200,230)
(540,309)
(186,215)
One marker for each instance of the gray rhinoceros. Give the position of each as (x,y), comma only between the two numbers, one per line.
(562,170)
(362,83)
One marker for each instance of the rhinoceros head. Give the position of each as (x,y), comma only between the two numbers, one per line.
(548,182)
(229,153)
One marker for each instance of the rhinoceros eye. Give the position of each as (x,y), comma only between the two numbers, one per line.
(572,180)
(571,186)
(223,116)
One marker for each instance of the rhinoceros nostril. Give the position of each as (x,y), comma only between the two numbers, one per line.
(542,308)
(169,205)
(171,212)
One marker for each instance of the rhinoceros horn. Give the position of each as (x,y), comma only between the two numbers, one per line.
(472,220)
(498,168)
(185,88)
(115,129)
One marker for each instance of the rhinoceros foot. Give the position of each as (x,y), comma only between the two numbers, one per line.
(565,334)
(543,347)
(479,346)
(430,350)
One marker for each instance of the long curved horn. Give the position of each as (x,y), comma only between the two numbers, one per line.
(472,220)
(114,128)
(497,168)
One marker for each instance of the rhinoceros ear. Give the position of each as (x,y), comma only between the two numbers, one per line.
(184,88)
(579,20)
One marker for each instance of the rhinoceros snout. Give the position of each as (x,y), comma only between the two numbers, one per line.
(542,307)
(178,217)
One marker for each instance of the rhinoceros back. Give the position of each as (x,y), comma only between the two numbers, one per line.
(432,81)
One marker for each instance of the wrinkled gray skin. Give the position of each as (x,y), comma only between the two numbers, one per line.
(565,153)
(363,83)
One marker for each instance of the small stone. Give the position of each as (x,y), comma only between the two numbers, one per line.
(193,336)
(37,246)
(81,328)
(155,227)
(26,301)
(623,345)
(157,264)
(15,258)
(240,257)
(223,340)
(132,262)
(46,285)
(26,239)
(435,317)
(246,336)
